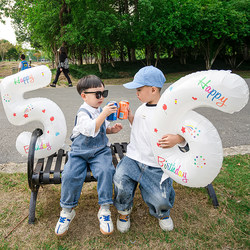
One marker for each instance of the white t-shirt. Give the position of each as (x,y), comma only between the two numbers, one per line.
(139,148)
(85,125)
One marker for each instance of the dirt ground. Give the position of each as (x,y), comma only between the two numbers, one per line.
(84,231)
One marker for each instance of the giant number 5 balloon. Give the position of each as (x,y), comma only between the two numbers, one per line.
(20,111)
(199,166)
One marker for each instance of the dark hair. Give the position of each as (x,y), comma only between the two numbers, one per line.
(63,50)
(23,56)
(87,82)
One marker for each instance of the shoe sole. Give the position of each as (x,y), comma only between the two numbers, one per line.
(105,233)
(60,235)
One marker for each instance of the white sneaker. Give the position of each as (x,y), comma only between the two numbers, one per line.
(166,223)
(106,224)
(62,225)
(123,221)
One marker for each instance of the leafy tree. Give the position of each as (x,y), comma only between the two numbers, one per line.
(220,22)
(12,54)
(4,47)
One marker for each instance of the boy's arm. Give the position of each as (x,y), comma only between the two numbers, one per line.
(130,116)
(170,140)
(107,110)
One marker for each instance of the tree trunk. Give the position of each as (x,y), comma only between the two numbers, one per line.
(157,57)
(211,53)
(129,54)
(98,61)
(149,54)
(246,52)
(111,59)
(133,56)
(121,53)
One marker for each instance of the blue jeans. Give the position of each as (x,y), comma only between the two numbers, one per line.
(94,152)
(159,198)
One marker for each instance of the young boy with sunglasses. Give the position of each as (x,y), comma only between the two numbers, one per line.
(90,146)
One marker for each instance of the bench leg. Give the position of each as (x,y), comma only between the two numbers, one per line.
(32,209)
(212,195)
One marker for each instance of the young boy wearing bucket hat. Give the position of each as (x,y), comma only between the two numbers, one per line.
(139,164)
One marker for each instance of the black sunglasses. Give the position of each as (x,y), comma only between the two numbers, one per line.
(99,94)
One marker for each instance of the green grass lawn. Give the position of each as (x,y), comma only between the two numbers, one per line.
(197,224)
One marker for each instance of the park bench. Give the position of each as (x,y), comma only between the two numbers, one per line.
(48,171)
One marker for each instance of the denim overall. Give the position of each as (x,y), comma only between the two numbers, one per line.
(94,152)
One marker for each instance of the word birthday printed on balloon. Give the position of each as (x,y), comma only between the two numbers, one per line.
(172,168)
(215,95)
(24,80)
(42,146)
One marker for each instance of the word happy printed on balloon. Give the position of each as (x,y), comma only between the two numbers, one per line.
(215,95)
(24,80)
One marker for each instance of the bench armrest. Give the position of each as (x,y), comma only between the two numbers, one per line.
(30,167)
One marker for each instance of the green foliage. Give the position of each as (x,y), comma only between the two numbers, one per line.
(110,29)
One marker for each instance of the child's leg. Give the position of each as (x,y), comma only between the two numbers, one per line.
(158,197)
(73,176)
(103,170)
(125,182)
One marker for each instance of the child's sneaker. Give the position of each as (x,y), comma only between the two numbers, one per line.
(62,225)
(166,223)
(123,221)
(106,224)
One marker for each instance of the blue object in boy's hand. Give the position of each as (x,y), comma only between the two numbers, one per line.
(113,116)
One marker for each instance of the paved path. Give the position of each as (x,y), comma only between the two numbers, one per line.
(234,129)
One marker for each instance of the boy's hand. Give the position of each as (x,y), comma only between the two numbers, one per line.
(116,128)
(130,115)
(169,140)
(109,109)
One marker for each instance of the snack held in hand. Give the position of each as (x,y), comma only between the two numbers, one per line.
(123,110)
(113,116)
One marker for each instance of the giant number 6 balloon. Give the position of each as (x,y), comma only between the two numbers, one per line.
(20,111)
(199,166)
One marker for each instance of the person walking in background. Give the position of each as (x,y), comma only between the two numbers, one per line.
(63,66)
(23,64)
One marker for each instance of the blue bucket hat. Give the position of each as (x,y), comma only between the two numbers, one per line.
(147,76)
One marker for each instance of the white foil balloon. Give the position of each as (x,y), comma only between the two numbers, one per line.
(20,111)
(199,166)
